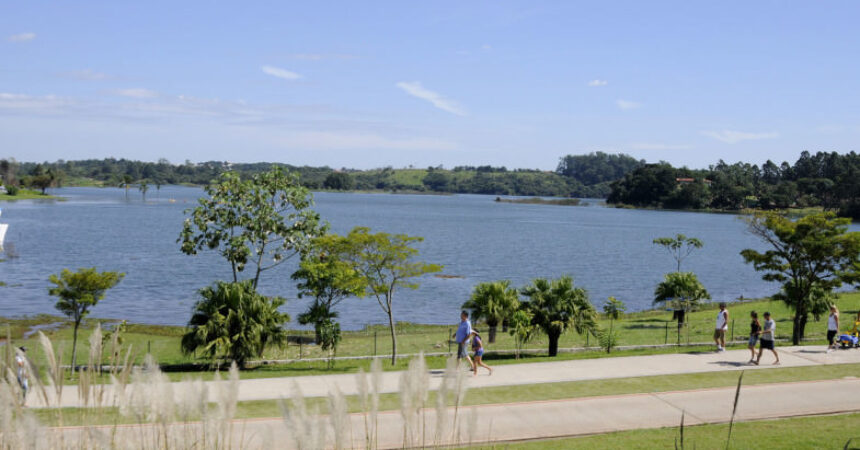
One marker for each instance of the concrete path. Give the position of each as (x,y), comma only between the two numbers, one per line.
(538,420)
(528,373)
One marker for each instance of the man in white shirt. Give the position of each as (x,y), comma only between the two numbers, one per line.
(767,338)
(721,327)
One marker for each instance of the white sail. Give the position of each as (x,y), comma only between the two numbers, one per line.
(3,228)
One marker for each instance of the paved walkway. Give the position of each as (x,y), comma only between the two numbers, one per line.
(528,373)
(530,420)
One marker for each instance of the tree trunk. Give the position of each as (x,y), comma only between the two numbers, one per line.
(795,329)
(491,338)
(553,343)
(75,345)
(393,336)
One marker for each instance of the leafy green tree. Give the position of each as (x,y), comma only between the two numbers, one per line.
(330,337)
(340,181)
(521,328)
(557,306)
(811,257)
(679,246)
(78,292)
(326,274)
(126,183)
(614,308)
(386,262)
(234,322)
(493,302)
(683,291)
(264,221)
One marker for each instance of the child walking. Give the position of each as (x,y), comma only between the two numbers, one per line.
(478,348)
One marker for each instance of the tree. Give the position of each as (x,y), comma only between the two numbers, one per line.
(679,246)
(557,306)
(683,291)
(326,274)
(264,220)
(143,187)
(613,308)
(330,337)
(811,257)
(386,262)
(78,292)
(235,322)
(126,183)
(340,181)
(521,328)
(493,302)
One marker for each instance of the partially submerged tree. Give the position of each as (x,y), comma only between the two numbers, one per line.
(493,302)
(557,306)
(262,221)
(682,291)
(326,274)
(811,257)
(679,246)
(386,262)
(78,292)
(234,322)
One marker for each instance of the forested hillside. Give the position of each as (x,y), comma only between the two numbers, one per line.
(576,176)
(827,180)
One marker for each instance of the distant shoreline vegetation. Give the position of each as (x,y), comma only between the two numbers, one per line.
(829,181)
(542,201)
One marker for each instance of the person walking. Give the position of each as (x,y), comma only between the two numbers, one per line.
(755,328)
(22,373)
(478,348)
(832,328)
(461,336)
(721,328)
(767,339)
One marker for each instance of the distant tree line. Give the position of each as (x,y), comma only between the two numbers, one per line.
(827,180)
(576,176)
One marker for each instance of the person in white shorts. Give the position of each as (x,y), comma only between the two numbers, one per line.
(721,328)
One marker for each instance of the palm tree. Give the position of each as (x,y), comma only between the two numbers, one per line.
(683,291)
(558,306)
(234,322)
(494,302)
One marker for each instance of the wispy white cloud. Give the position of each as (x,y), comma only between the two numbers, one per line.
(280,73)
(86,75)
(597,83)
(626,105)
(733,136)
(415,89)
(658,146)
(135,93)
(21,37)
(486,47)
(36,104)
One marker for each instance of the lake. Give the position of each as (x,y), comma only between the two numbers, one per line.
(607,250)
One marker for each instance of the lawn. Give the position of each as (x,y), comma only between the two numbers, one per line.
(794,433)
(26,194)
(643,328)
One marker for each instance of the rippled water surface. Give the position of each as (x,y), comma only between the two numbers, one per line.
(607,250)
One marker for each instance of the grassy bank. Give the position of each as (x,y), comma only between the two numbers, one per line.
(540,201)
(649,328)
(27,194)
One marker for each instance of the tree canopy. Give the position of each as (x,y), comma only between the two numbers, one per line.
(810,256)
(263,221)
(78,292)
(234,322)
(557,306)
(494,302)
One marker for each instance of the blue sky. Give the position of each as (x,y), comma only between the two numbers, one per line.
(370,84)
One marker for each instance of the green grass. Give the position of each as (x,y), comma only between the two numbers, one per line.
(795,433)
(26,194)
(643,328)
(522,393)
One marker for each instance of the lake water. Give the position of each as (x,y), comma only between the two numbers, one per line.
(608,251)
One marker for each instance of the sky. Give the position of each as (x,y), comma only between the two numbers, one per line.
(376,83)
